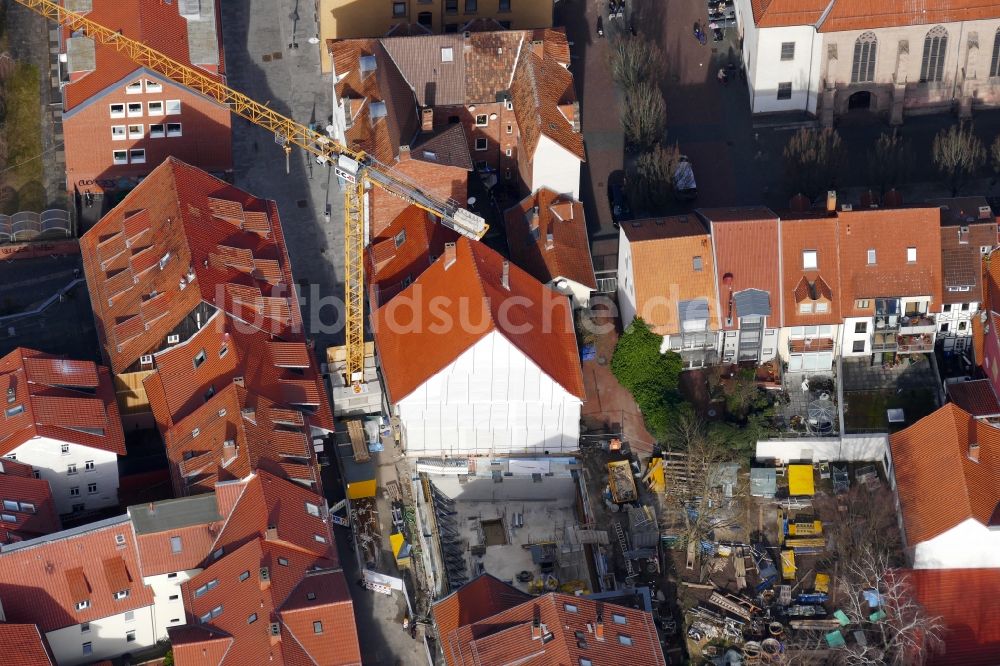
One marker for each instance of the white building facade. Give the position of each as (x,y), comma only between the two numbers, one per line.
(492,399)
(838,60)
(554,167)
(82,478)
(107,638)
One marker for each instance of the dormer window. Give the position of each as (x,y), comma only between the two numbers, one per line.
(82,605)
(121,594)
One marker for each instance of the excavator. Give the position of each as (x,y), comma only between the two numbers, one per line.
(357,169)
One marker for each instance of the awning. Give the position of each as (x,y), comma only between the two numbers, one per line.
(751,302)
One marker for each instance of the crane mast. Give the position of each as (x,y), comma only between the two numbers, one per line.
(356,168)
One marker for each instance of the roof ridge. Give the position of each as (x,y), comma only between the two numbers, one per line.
(480,284)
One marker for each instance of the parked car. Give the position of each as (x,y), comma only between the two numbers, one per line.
(619,204)
(685,187)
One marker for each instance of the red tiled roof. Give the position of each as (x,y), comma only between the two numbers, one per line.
(379,134)
(747,257)
(567,255)
(975,397)
(869,14)
(509,637)
(198,645)
(268,501)
(889,232)
(962,259)
(290,572)
(23,645)
(469,295)
(174,219)
(18,485)
(477,600)
(937,484)
(818,235)
(69,401)
(155,24)
(70,567)
(665,253)
(540,86)
(965,600)
(780,13)
(388,266)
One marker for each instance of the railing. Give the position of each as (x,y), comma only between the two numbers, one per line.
(29,225)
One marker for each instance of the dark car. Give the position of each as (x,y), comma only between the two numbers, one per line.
(619,203)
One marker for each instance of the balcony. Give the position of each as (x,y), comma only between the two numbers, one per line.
(884,341)
(915,344)
(917,324)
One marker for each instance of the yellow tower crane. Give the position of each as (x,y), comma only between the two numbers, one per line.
(359,170)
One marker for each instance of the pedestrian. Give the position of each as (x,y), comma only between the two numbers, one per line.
(722,76)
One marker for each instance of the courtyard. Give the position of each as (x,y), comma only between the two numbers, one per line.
(872,388)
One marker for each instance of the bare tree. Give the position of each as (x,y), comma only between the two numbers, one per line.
(995,155)
(958,154)
(889,161)
(644,116)
(813,161)
(866,522)
(651,180)
(898,631)
(695,500)
(634,61)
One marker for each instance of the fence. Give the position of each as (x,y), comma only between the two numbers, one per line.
(29,225)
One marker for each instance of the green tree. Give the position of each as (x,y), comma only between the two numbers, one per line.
(651,180)
(651,377)
(958,154)
(889,161)
(813,161)
(644,116)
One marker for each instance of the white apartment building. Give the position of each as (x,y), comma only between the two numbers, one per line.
(60,417)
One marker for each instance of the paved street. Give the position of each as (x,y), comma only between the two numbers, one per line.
(257,35)
(737,159)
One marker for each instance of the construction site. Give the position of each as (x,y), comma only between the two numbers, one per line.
(527,521)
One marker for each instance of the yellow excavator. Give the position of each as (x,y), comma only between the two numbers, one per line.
(360,170)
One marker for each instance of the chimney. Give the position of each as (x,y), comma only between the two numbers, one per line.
(550,240)
(449,255)
(831,201)
(271,534)
(404,153)
(974,451)
(505,278)
(427,119)
(536,626)
(152,507)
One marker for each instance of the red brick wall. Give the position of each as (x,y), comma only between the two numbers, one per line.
(206,139)
(495,133)
(437,179)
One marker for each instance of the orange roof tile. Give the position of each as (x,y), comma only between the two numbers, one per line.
(508,635)
(889,232)
(817,235)
(36,513)
(540,86)
(665,260)
(390,267)
(937,484)
(965,601)
(155,24)
(868,14)
(477,600)
(23,645)
(468,294)
(71,567)
(547,236)
(747,257)
(70,401)
(975,397)
(177,264)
